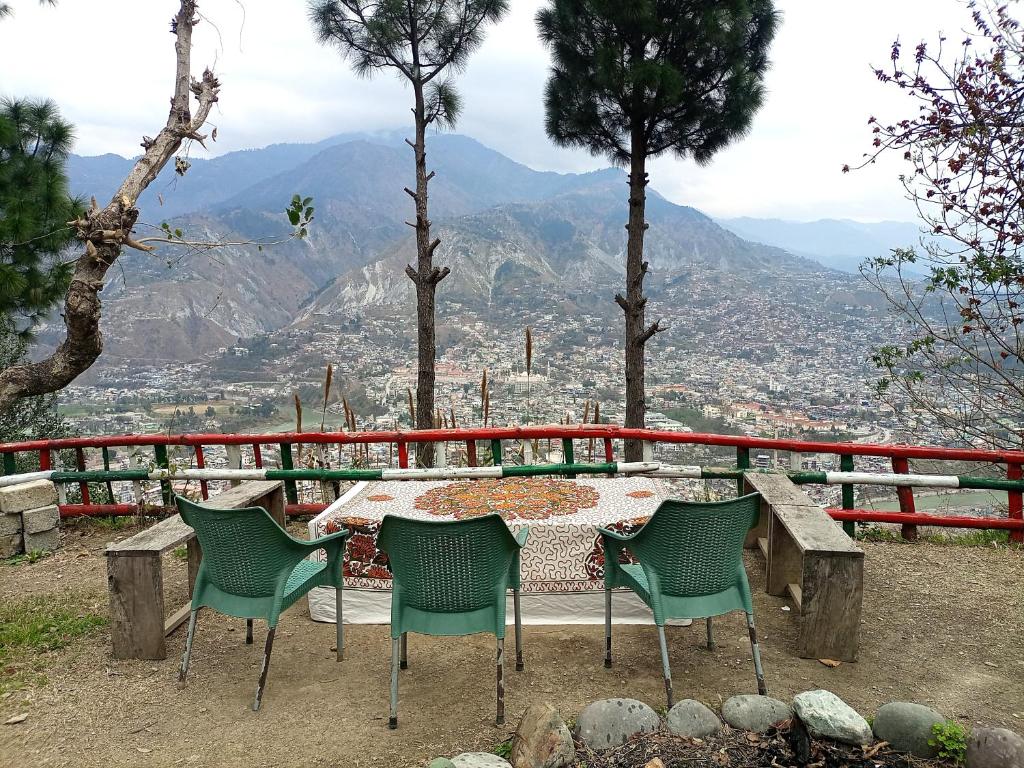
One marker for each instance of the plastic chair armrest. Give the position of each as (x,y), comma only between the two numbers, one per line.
(613,535)
(522,535)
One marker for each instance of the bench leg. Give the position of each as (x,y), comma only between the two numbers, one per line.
(137,619)
(607,628)
(248,631)
(711,636)
(393,719)
(188,647)
(340,639)
(404,663)
(755,650)
(666,671)
(500,672)
(519,630)
(263,671)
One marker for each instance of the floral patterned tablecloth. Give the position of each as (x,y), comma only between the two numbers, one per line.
(563,553)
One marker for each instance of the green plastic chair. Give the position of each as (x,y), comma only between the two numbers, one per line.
(690,558)
(451,578)
(253,569)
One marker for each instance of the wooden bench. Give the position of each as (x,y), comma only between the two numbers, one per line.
(815,563)
(138,622)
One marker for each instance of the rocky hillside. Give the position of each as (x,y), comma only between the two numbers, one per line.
(506,230)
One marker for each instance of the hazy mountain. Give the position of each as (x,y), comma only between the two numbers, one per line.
(506,230)
(573,242)
(836,243)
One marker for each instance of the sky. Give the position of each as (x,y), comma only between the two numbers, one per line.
(109,65)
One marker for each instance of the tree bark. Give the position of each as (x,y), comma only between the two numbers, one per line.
(634,303)
(425,277)
(105,232)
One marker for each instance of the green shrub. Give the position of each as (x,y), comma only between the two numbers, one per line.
(951,740)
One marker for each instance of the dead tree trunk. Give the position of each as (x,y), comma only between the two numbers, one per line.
(425,277)
(634,303)
(106,231)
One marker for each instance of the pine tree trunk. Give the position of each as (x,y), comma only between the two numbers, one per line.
(634,304)
(425,277)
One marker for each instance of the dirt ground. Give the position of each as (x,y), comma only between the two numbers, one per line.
(942,625)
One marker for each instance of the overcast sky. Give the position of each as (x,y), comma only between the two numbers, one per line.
(109,65)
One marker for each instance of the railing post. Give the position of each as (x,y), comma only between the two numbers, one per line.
(742,463)
(44,459)
(471,452)
(1015,501)
(10,465)
(403,455)
(568,456)
(106,468)
(906,496)
(609,453)
(234,454)
(846,465)
(496,457)
(290,491)
(163,463)
(204,487)
(257,456)
(80,466)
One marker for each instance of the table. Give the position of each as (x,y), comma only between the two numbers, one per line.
(562,563)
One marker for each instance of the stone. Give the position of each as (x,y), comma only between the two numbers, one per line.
(612,722)
(11,546)
(907,727)
(40,519)
(479,760)
(18,498)
(10,525)
(995,748)
(440,762)
(542,740)
(47,541)
(826,716)
(691,719)
(750,712)
(655,763)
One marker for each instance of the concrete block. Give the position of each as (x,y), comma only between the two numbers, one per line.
(46,541)
(39,520)
(10,546)
(10,525)
(18,498)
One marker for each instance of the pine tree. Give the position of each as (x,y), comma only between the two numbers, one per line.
(632,80)
(422,40)
(34,210)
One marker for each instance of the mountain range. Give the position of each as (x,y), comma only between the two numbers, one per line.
(506,231)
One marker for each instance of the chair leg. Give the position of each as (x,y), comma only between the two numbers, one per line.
(666,671)
(762,687)
(248,631)
(519,630)
(266,668)
(404,664)
(393,719)
(500,719)
(188,647)
(340,629)
(711,636)
(607,628)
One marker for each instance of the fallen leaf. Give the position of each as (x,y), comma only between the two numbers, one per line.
(17,719)
(830,663)
(143,750)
